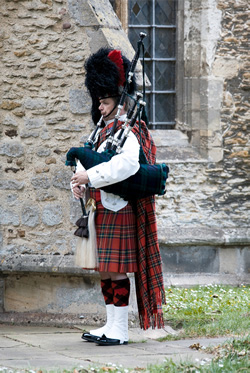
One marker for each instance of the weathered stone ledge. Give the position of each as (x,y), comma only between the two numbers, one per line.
(187,279)
(51,319)
(204,236)
(186,240)
(53,264)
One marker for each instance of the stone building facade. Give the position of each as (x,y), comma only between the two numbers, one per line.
(203,219)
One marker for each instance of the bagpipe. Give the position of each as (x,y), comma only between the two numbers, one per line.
(150,179)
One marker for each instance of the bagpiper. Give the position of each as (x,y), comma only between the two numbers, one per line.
(126,230)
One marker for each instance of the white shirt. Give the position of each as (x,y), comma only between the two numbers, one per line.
(120,167)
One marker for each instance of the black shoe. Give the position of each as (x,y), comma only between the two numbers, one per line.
(104,341)
(90,337)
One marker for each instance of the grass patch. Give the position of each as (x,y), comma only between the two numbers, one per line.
(233,357)
(206,311)
(210,311)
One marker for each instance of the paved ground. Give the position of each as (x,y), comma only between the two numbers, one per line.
(49,348)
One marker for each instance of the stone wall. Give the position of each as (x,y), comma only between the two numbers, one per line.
(45,111)
(203,219)
(207,199)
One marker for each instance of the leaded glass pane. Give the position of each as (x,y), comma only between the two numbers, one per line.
(164,108)
(134,37)
(165,12)
(149,70)
(140,12)
(164,76)
(164,43)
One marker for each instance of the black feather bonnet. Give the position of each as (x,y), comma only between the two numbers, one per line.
(106,73)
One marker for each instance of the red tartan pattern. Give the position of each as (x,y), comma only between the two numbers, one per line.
(107,291)
(116,237)
(121,290)
(148,278)
(105,132)
(147,142)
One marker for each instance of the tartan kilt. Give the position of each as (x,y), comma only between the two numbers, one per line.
(116,236)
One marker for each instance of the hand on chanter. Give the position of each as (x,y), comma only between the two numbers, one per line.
(79,178)
(78,191)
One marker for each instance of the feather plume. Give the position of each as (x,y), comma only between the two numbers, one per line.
(116,57)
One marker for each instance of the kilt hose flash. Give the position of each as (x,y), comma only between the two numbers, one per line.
(116,236)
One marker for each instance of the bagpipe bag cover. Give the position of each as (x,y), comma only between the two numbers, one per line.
(147,181)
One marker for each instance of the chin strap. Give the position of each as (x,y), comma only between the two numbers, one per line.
(105,116)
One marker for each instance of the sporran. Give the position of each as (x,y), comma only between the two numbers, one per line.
(86,255)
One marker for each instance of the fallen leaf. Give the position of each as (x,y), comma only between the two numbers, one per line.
(195,346)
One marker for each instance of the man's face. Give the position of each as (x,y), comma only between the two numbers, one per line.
(106,106)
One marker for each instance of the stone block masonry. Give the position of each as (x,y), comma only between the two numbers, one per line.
(207,198)
(203,218)
(44,111)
